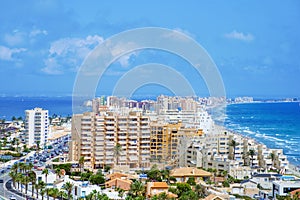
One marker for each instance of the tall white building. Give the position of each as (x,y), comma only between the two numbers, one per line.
(36,127)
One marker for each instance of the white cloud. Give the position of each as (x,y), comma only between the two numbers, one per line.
(186,32)
(125,59)
(7,53)
(36,32)
(15,38)
(67,54)
(240,36)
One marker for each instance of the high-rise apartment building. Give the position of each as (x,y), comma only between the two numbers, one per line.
(36,127)
(95,137)
(166,137)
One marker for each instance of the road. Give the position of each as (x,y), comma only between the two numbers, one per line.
(6,189)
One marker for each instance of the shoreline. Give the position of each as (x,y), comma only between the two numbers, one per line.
(293,167)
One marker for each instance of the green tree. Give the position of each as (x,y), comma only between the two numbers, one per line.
(43,192)
(13,175)
(32,179)
(38,146)
(165,174)
(233,144)
(81,163)
(273,157)
(160,196)
(189,195)
(154,174)
(191,181)
(19,179)
(98,178)
(182,188)
(25,180)
(200,191)
(117,152)
(68,187)
(251,153)
(137,188)
(46,172)
(54,193)
(40,187)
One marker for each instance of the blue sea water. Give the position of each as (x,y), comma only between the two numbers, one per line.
(275,124)
(16,106)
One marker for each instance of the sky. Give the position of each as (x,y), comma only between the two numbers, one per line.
(254,44)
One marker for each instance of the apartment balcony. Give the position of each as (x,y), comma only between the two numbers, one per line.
(100,129)
(109,162)
(132,151)
(99,148)
(145,141)
(99,137)
(99,158)
(122,136)
(145,151)
(85,142)
(109,157)
(110,123)
(133,158)
(122,158)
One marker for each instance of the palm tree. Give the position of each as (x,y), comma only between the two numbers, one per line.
(43,192)
(22,167)
(225,174)
(137,188)
(13,176)
(24,181)
(58,172)
(200,191)
(68,188)
(28,167)
(214,171)
(272,156)
(233,144)
(117,152)
(61,194)
(166,175)
(81,163)
(251,154)
(15,168)
(19,179)
(40,186)
(32,179)
(38,146)
(46,172)
(47,192)
(54,192)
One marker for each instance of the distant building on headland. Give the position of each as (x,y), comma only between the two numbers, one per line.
(36,127)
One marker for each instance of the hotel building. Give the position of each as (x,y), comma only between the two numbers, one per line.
(95,136)
(36,127)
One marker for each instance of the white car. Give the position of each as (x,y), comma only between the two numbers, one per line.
(12,198)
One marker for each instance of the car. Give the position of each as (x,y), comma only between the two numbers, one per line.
(12,197)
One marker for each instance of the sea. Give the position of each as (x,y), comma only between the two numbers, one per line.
(16,106)
(275,124)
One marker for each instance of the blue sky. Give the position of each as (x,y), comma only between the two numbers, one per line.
(255,44)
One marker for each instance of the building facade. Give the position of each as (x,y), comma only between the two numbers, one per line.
(36,127)
(95,137)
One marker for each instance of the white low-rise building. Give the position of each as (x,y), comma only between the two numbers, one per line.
(282,188)
(51,177)
(80,188)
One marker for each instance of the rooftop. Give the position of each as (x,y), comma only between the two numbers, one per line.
(189,171)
